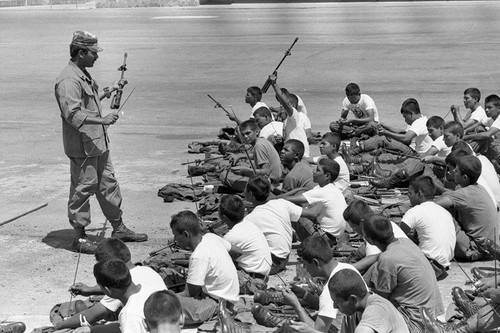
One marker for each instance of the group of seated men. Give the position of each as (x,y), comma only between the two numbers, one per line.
(454,194)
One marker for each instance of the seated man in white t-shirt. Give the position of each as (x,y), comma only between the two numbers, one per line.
(253,255)
(355,214)
(115,281)
(317,258)
(365,113)
(329,200)
(110,248)
(488,143)
(294,124)
(269,129)
(211,275)
(476,119)
(433,225)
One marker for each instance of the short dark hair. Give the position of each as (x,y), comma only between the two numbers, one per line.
(332,138)
(297,147)
(493,99)
(112,273)
(232,207)
(352,89)
(186,220)
(74,49)
(112,248)
(347,282)
(255,92)
(455,155)
(331,167)
(250,123)
(470,166)
(259,186)
(435,122)
(454,127)
(474,93)
(425,185)
(357,212)
(315,247)
(410,105)
(162,307)
(378,228)
(262,112)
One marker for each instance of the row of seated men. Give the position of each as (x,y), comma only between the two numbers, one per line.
(392,288)
(466,183)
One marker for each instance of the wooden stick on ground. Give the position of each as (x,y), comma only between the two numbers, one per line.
(23,214)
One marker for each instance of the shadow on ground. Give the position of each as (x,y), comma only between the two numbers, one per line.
(63,239)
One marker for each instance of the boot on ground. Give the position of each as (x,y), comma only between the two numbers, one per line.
(121,232)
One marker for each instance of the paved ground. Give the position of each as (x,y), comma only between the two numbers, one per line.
(430,51)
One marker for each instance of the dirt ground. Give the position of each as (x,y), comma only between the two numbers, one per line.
(430,51)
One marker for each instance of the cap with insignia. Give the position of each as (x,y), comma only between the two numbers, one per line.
(86,40)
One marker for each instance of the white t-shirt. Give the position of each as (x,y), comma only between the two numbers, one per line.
(494,123)
(145,276)
(484,183)
(435,229)
(422,142)
(294,129)
(343,179)
(256,257)
(333,204)
(326,308)
(257,106)
(211,267)
(359,109)
(443,149)
(274,219)
(271,129)
(398,233)
(480,116)
(489,174)
(304,119)
(301,107)
(131,316)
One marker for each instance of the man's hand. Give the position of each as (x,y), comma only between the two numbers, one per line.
(110,119)
(116,85)
(80,289)
(493,294)
(273,78)
(486,283)
(242,171)
(454,109)
(290,298)
(428,159)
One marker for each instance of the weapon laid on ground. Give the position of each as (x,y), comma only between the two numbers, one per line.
(267,84)
(23,214)
(198,161)
(115,101)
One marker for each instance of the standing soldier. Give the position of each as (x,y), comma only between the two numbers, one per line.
(86,144)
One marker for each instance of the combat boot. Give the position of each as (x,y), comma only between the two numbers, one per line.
(121,232)
(227,323)
(480,274)
(265,318)
(12,327)
(82,244)
(265,297)
(464,304)
(434,326)
(389,182)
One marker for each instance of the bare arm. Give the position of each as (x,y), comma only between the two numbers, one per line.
(444,202)
(482,136)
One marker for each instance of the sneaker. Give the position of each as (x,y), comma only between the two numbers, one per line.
(126,235)
(84,245)
(265,297)
(12,327)
(265,318)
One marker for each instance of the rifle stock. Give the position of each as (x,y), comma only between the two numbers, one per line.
(267,84)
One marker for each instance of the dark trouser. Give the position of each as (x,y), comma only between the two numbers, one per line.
(93,175)
(468,249)
(347,131)
(486,319)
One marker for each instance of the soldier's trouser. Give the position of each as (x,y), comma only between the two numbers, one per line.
(380,141)
(93,175)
